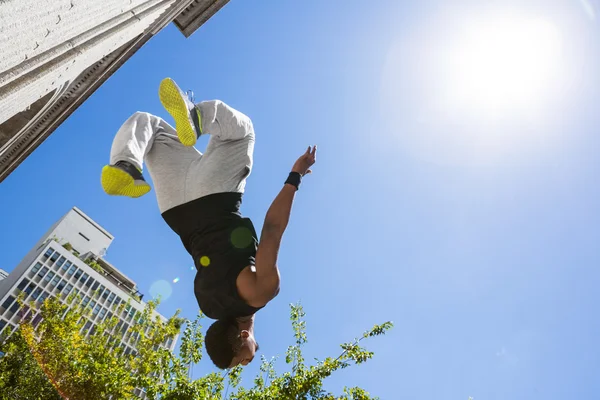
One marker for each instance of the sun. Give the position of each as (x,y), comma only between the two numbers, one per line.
(478,85)
(501,63)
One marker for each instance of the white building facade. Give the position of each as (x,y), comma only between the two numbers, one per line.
(56,53)
(60,265)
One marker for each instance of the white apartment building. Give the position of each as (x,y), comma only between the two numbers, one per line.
(61,264)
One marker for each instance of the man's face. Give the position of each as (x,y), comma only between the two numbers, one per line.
(246,349)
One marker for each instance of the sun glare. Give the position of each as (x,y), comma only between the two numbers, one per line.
(477,85)
(501,64)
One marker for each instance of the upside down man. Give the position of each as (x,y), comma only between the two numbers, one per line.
(199,196)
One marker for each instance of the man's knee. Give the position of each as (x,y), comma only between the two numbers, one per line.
(141,115)
(225,117)
(239,117)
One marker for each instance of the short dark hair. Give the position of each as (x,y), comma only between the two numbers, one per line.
(220,341)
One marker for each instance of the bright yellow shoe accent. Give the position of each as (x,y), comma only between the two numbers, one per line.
(117,182)
(172,100)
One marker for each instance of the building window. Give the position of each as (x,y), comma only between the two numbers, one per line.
(43,296)
(66,266)
(2,324)
(30,288)
(36,267)
(36,320)
(71,270)
(111,297)
(105,294)
(96,310)
(89,282)
(55,281)
(84,278)
(83,236)
(36,293)
(27,313)
(116,304)
(8,301)
(95,286)
(68,289)
(78,273)
(60,261)
(48,253)
(102,314)
(23,283)
(43,271)
(100,290)
(55,256)
(61,285)
(87,326)
(85,301)
(49,276)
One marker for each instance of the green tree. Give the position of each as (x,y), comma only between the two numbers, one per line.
(56,359)
(20,373)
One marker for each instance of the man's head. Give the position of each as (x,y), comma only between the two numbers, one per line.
(227,345)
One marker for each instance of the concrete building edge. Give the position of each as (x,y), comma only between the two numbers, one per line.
(115,59)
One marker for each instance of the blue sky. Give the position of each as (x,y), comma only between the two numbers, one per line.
(476,236)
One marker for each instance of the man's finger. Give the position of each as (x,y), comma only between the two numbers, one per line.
(314,150)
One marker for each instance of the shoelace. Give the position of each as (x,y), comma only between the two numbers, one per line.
(190,95)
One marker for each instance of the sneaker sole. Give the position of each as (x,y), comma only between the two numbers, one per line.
(117,182)
(173,102)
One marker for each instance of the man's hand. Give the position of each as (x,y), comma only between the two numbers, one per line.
(305,161)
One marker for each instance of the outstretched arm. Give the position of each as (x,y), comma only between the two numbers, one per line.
(267,273)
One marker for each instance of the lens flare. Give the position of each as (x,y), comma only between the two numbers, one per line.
(161,289)
(205,261)
(176,280)
(241,237)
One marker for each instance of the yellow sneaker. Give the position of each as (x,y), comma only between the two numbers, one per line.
(188,120)
(123,179)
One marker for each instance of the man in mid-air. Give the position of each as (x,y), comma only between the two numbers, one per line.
(199,196)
